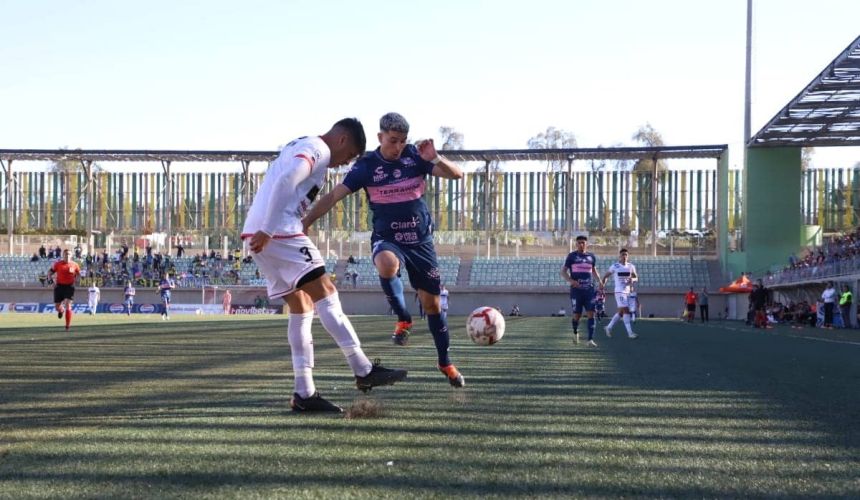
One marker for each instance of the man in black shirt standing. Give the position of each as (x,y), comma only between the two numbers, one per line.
(758,298)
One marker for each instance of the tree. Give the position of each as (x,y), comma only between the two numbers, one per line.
(647,136)
(553,138)
(643,172)
(451,138)
(806,155)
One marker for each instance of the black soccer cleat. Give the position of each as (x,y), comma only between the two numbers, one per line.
(314,402)
(379,375)
(60,314)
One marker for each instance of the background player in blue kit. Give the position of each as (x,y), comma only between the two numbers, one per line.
(164,287)
(581,274)
(394,179)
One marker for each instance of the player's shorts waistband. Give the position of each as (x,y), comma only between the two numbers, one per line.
(274,236)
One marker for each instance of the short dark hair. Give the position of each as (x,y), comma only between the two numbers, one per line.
(355,130)
(393,122)
(623,250)
(582,237)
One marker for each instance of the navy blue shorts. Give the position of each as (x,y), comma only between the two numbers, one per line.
(582,298)
(419,262)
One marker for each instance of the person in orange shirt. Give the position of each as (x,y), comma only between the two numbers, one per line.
(67,272)
(690,301)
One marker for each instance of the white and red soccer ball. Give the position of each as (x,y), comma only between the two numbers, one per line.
(485,326)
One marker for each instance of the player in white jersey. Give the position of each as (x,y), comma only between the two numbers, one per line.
(633,304)
(625,277)
(294,268)
(93,296)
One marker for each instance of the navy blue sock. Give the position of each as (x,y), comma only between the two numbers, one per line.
(575,323)
(439,328)
(590,328)
(393,289)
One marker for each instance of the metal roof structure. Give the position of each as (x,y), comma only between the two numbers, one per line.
(632,153)
(825,113)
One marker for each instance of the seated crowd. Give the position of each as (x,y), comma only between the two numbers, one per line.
(145,270)
(827,259)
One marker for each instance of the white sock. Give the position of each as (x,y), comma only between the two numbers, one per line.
(612,321)
(627,324)
(338,326)
(302,349)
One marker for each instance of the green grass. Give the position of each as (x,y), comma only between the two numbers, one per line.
(198,408)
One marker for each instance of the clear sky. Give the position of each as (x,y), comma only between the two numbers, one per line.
(252,75)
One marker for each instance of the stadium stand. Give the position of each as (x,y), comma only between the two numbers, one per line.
(655,272)
(449,267)
(536,271)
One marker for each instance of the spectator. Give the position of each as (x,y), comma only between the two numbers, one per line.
(77,252)
(179,250)
(34,258)
(845,301)
(43,254)
(758,301)
(515,311)
(227,301)
(703,305)
(690,299)
(351,260)
(828,296)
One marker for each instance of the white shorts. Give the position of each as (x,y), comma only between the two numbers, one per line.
(284,261)
(622,299)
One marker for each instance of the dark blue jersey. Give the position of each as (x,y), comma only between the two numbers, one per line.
(580,266)
(165,285)
(395,191)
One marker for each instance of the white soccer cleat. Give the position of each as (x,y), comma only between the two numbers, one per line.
(592,343)
(632,336)
(608,332)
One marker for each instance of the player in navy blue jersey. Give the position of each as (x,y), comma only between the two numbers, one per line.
(580,272)
(394,179)
(164,287)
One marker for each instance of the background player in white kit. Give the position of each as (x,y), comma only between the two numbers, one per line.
(294,268)
(633,304)
(93,297)
(625,277)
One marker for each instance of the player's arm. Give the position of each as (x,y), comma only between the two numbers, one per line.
(565,275)
(324,204)
(634,276)
(442,167)
(605,276)
(597,275)
(298,169)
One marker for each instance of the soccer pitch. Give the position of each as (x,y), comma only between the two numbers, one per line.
(197,407)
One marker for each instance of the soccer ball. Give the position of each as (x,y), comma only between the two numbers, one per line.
(485,326)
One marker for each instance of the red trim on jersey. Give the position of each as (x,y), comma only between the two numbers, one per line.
(307,159)
(274,237)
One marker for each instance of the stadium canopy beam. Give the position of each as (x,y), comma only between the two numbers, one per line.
(10,224)
(88,172)
(168,187)
(484,155)
(825,113)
